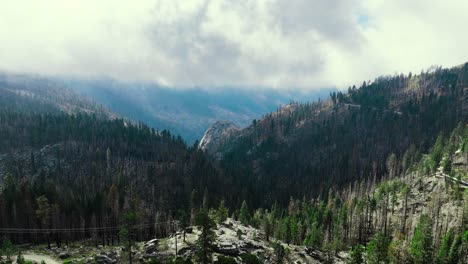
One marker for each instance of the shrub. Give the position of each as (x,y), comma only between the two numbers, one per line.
(249,258)
(225,260)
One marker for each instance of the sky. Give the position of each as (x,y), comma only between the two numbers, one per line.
(281,44)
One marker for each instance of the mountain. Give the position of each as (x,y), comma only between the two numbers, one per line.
(86,163)
(306,148)
(187,112)
(379,172)
(37,94)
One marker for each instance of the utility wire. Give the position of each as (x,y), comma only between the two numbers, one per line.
(73,230)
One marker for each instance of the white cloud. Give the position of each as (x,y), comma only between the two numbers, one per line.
(270,43)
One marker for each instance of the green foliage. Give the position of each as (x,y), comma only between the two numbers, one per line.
(244,215)
(397,251)
(357,254)
(125,231)
(464,248)
(446,165)
(442,255)
(7,249)
(437,152)
(248,258)
(20,258)
(222,212)
(184,221)
(421,245)
(280,252)
(315,237)
(377,248)
(225,260)
(454,253)
(153,261)
(267,228)
(204,243)
(287,230)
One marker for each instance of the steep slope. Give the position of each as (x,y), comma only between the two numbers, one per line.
(90,171)
(332,229)
(214,136)
(305,148)
(417,213)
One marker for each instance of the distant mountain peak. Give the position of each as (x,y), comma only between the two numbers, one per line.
(216,134)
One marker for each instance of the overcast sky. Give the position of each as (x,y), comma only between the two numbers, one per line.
(268,43)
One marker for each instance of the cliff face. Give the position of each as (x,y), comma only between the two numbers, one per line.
(216,135)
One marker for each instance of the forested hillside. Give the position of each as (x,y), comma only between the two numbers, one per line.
(381,170)
(26,93)
(418,212)
(304,149)
(79,171)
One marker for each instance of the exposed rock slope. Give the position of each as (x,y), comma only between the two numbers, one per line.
(215,136)
(232,240)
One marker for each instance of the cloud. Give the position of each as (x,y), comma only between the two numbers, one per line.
(213,43)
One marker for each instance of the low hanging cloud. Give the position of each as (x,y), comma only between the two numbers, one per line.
(214,43)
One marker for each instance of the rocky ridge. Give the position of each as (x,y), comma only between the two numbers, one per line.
(215,136)
(232,240)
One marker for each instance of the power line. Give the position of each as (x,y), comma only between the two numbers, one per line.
(74,230)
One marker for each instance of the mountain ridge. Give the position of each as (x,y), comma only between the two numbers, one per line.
(347,137)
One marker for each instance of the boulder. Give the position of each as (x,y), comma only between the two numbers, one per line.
(113,254)
(151,246)
(227,248)
(64,255)
(315,254)
(105,258)
(184,251)
(153,241)
(149,249)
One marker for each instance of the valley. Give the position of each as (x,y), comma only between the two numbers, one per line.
(376,175)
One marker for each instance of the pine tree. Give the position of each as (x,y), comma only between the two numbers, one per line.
(244,216)
(356,254)
(266,227)
(454,253)
(7,249)
(222,213)
(43,213)
(287,230)
(421,244)
(442,255)
(377,248)
(204,243)
(280,252)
